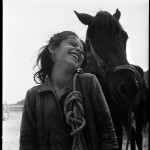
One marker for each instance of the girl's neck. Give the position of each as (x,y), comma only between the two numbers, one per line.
(60,77)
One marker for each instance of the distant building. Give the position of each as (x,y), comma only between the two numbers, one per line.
(5,111)
(20,102)
(15,107)
(7,108)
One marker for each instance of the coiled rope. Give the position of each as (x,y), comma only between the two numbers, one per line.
(74,112)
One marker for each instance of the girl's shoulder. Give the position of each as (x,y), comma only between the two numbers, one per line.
(33,90)
(88,79)
(87,76)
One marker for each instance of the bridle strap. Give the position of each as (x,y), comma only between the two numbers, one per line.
(125,67)
(104,68)
(102,65)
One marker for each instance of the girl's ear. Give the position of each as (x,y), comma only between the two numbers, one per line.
(51,50)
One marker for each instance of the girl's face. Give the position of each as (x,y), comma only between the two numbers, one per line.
(70,52)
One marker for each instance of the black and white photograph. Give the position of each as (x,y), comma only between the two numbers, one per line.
(75,75)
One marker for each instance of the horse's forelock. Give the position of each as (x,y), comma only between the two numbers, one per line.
(104,22)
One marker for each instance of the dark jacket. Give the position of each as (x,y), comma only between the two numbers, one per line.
(43,124)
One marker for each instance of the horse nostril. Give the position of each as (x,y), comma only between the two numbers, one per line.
(130,90)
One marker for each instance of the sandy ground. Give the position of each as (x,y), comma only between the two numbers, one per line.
(11,133)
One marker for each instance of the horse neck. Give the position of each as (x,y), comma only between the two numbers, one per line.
(92,65)
(111,59)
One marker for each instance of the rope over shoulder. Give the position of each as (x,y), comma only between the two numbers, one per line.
(74,112)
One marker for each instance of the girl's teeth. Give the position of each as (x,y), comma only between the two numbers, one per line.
(75,56)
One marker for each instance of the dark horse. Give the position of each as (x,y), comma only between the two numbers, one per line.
(120,81)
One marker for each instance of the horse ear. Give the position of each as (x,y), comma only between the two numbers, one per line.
(84,18)
(117,15)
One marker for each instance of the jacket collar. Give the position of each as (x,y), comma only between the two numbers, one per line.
(47,86)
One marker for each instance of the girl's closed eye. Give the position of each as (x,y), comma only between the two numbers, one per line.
(76,45)
(73,44)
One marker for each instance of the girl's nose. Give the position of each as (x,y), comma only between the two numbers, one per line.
(79,50)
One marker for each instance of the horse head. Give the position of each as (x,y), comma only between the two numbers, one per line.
(106,43)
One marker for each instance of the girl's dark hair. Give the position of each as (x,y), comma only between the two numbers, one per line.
(44,60)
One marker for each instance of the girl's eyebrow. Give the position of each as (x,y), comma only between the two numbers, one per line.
(72,40)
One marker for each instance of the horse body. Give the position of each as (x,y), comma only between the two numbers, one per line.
(140,107)
(121,82)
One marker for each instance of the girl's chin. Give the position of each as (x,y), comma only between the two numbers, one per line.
(71,65)
(73,68)
(74,64)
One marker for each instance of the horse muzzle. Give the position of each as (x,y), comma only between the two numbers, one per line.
(123,85)
(128,91)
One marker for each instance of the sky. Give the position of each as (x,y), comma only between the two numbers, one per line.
(29,24)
